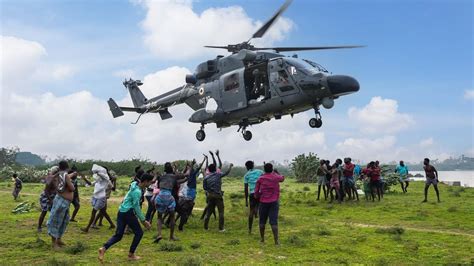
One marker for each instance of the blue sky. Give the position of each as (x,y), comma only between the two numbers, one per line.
(419,54)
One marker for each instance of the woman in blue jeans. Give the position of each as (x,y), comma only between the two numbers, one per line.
(128,213)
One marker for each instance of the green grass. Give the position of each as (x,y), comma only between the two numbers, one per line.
(398,230)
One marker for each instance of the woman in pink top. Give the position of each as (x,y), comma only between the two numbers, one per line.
(267,191)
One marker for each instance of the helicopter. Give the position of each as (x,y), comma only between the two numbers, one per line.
(250,86)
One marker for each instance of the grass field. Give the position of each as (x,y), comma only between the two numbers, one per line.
(398,230)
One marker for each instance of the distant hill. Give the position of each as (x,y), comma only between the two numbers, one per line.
(451,164)
(28,158)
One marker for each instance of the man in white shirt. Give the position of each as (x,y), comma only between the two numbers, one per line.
(99,197)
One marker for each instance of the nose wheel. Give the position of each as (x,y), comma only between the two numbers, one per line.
(200,134)
(245,133)
(316,122)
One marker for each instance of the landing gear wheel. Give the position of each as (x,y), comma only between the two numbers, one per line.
(315,123)
(247,135)
(200,135)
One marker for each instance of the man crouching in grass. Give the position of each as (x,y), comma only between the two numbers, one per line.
(59,216)
(267,191)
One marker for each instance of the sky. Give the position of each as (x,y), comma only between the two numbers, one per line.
(62,60)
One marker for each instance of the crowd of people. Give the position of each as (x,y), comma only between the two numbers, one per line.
(171,195)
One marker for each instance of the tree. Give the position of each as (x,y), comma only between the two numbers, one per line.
(7,156)
(305,167)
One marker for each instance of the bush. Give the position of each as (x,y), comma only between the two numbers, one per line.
(77,248)
(296,240)
(323,231)
(192,261)
(195,245)
(395,230)
(170,247)
(306,188)
(234,242)
(26,174)
(305,167)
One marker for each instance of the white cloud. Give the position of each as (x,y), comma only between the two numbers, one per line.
(426,143)
(174,30)
(18,58)
(125,73)
(380,116)
(366,149)
(23,66)
(62,72)
(469,94)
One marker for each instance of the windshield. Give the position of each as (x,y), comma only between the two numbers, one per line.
(316,65)
(300,66)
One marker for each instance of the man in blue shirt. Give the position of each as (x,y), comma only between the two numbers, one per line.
(402,170)
(250,180)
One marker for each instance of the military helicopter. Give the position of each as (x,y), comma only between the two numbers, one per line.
(250,86)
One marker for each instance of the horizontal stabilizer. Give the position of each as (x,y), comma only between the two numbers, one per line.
(165,114)
(114,108)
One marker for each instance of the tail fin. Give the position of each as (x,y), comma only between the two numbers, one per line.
(136,94)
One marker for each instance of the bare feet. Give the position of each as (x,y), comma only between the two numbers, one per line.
(101,254)
(85,230)
(60,243)
(112,227)
(157,239)
(133,257)
(174,239)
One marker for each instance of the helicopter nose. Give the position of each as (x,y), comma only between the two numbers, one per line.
(341,85)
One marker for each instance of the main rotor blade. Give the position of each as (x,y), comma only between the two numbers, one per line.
(289,49)
(213,46)
(260,32)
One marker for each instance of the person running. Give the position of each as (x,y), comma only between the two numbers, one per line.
(335,183)
(212,184)
(127,215)
(148,196)
(267,191)
(76,200)
(17,187)
(187,195)
(48,194)
(375,181)
(99,197)
(165,203)
(108,191)
(59,215)
(322,180)
(348,173)
(431,178)
(250,180)
(402,170)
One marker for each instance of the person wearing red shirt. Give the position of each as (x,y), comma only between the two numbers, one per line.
(267,191)
(348,173)
(375,181)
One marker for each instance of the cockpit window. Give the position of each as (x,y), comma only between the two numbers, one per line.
(316,65)
(307,68)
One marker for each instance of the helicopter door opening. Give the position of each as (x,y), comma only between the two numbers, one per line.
(256,83)
(233,95)
(282,79)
